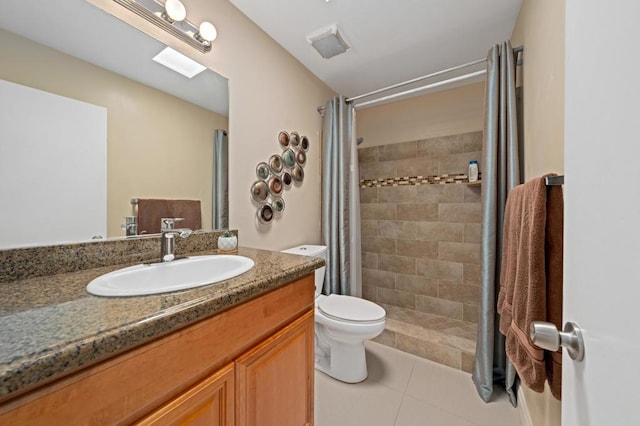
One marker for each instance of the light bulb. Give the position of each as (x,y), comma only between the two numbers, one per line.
(207,31)
(175,10)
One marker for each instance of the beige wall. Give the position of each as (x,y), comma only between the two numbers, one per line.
(540,28)
(443,113)
(269,91)
(151,136)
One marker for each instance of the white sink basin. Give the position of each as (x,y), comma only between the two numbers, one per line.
(165,277)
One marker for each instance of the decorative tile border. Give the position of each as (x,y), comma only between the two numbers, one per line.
(415,180)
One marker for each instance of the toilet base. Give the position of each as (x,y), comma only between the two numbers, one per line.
(343,361)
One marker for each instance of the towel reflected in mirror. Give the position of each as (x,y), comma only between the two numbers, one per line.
(151,212)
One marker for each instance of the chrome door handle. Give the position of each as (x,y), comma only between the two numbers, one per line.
(546,336)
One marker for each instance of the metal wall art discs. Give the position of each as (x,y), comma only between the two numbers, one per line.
(289,158)
(301,157)
(295,139)
(297,173)
(278,205)
(283,138)
(286,178)
(259,191)
(265,214)
(275,185)
(262,171)
(276,164)
(279,172)
(304,143)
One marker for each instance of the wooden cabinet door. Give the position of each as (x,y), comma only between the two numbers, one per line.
(209,403)
(274,380)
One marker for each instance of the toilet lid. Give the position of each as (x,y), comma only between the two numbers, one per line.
(351,308)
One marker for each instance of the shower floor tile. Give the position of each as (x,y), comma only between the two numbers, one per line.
(448,341)
(405,390)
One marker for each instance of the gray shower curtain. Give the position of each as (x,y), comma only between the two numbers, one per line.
(500,173)
(341,200)
(220,196)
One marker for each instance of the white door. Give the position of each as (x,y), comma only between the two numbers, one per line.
(602,211)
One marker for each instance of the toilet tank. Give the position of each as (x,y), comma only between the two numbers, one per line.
(310,250)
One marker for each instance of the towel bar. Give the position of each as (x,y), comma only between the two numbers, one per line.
(554,180)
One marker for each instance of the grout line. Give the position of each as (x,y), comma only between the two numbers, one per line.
(395,419)
(406,386)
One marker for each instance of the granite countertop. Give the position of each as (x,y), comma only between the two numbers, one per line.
(50,326)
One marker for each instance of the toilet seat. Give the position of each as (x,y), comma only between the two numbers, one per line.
(350,309)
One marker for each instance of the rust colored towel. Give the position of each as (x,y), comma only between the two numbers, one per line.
(554,242)
(151,212)
(531,277)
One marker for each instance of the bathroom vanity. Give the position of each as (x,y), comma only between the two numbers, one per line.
(220,354)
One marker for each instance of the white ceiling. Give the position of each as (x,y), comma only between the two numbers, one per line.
(86,32)
(391,40)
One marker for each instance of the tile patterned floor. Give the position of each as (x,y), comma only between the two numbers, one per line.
(405,390)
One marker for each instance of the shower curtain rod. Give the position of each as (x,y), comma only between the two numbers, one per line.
(516,50)
(404,83)
(421,88)
(415,80)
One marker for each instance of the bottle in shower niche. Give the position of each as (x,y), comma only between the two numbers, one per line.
(473,171)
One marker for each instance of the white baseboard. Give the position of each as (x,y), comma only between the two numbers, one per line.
(525,419)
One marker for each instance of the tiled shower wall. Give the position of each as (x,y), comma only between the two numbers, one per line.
(421,243)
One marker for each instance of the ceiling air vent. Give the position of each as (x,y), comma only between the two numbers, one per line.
(328,42)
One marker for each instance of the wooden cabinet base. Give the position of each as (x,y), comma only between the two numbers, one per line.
(210,403)
(127,387)
(274,380)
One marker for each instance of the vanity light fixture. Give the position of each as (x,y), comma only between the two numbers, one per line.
(170,15)
(178,62)
(174,10)
(206,32)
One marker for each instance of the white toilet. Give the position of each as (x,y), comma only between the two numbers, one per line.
(343,323)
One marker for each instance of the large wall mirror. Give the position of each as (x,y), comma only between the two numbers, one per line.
(158,127)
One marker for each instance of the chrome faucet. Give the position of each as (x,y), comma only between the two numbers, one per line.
(168,243)
(169,222)
(130,225)
(168,238)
